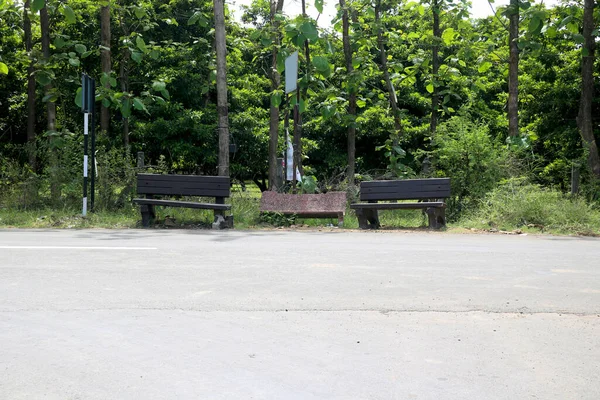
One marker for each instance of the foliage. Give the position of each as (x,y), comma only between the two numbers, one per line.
(464,151)
(518,203)
(162,95)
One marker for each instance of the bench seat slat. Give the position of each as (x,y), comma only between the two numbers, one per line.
(179,191)
(187,204)
(183,185)
(409,189)
(392,206)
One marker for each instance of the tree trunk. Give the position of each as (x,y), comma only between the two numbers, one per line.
(298,116)
(584,119)
(386,74)
(124,78)
(105,62)
(352,89)
(50,112)
(276,7)
(513,70)
(31,145)
(220,43)
(437,37)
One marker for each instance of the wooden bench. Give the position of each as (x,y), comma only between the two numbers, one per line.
(152,185)
(430,193)
(324,205)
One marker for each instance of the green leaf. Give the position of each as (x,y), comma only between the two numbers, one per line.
(136,56)
(59,42)
(448,36)
(104,79)
(535,25)
(321,64)
(78,98)
(399,150)
(69,14)
(276,99)
(484,66)
(3,68)
(113,82)
(139,12)
(139,105)
(106,102)
(194,18)
(43,78)
(299,40)
(159,86)
(429,87)
(154,54)
(361,103)
(37,5)
(49,98)
(141,44)
(579,39)
(126,107)
(74,62)
(80,48)
(319,6)
(165,94)
(309,30)
(328,111)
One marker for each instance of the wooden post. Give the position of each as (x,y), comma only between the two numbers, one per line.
(140,159)
(575,178)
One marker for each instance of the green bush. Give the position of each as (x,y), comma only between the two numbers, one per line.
(516,203)
(464,152)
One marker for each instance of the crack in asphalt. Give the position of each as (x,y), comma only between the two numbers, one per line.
(383,311)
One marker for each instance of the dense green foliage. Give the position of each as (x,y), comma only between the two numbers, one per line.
(162,96)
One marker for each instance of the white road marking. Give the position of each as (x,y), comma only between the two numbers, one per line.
(74,248)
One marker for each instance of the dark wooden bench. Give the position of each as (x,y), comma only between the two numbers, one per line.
(324,205)
(152,185)
(430,193)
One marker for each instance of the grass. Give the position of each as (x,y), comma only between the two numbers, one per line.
(531,208)
(511,207)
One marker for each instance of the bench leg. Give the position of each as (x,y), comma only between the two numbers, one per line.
(437,217)
(222,221)
(367,219)
(147,214)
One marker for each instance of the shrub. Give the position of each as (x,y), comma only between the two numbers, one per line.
(465,152)
(516,203)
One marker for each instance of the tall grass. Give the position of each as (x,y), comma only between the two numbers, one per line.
(518,204)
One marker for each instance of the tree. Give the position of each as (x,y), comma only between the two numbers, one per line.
(352,89)
(276,7)
(31,149)
(393,98)
(105,61)
(50,107)
(513,69)
(437,38)
(222,87)
(584,119)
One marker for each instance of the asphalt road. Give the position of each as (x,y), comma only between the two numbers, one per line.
(155,314)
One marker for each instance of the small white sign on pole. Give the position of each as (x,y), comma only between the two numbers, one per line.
(290,162)
(291,73)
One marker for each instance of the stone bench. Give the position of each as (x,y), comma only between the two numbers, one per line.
(324,205)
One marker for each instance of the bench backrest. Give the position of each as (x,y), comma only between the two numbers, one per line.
(183,185)
(409,189)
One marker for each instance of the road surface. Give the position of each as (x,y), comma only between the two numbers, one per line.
(172,314)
